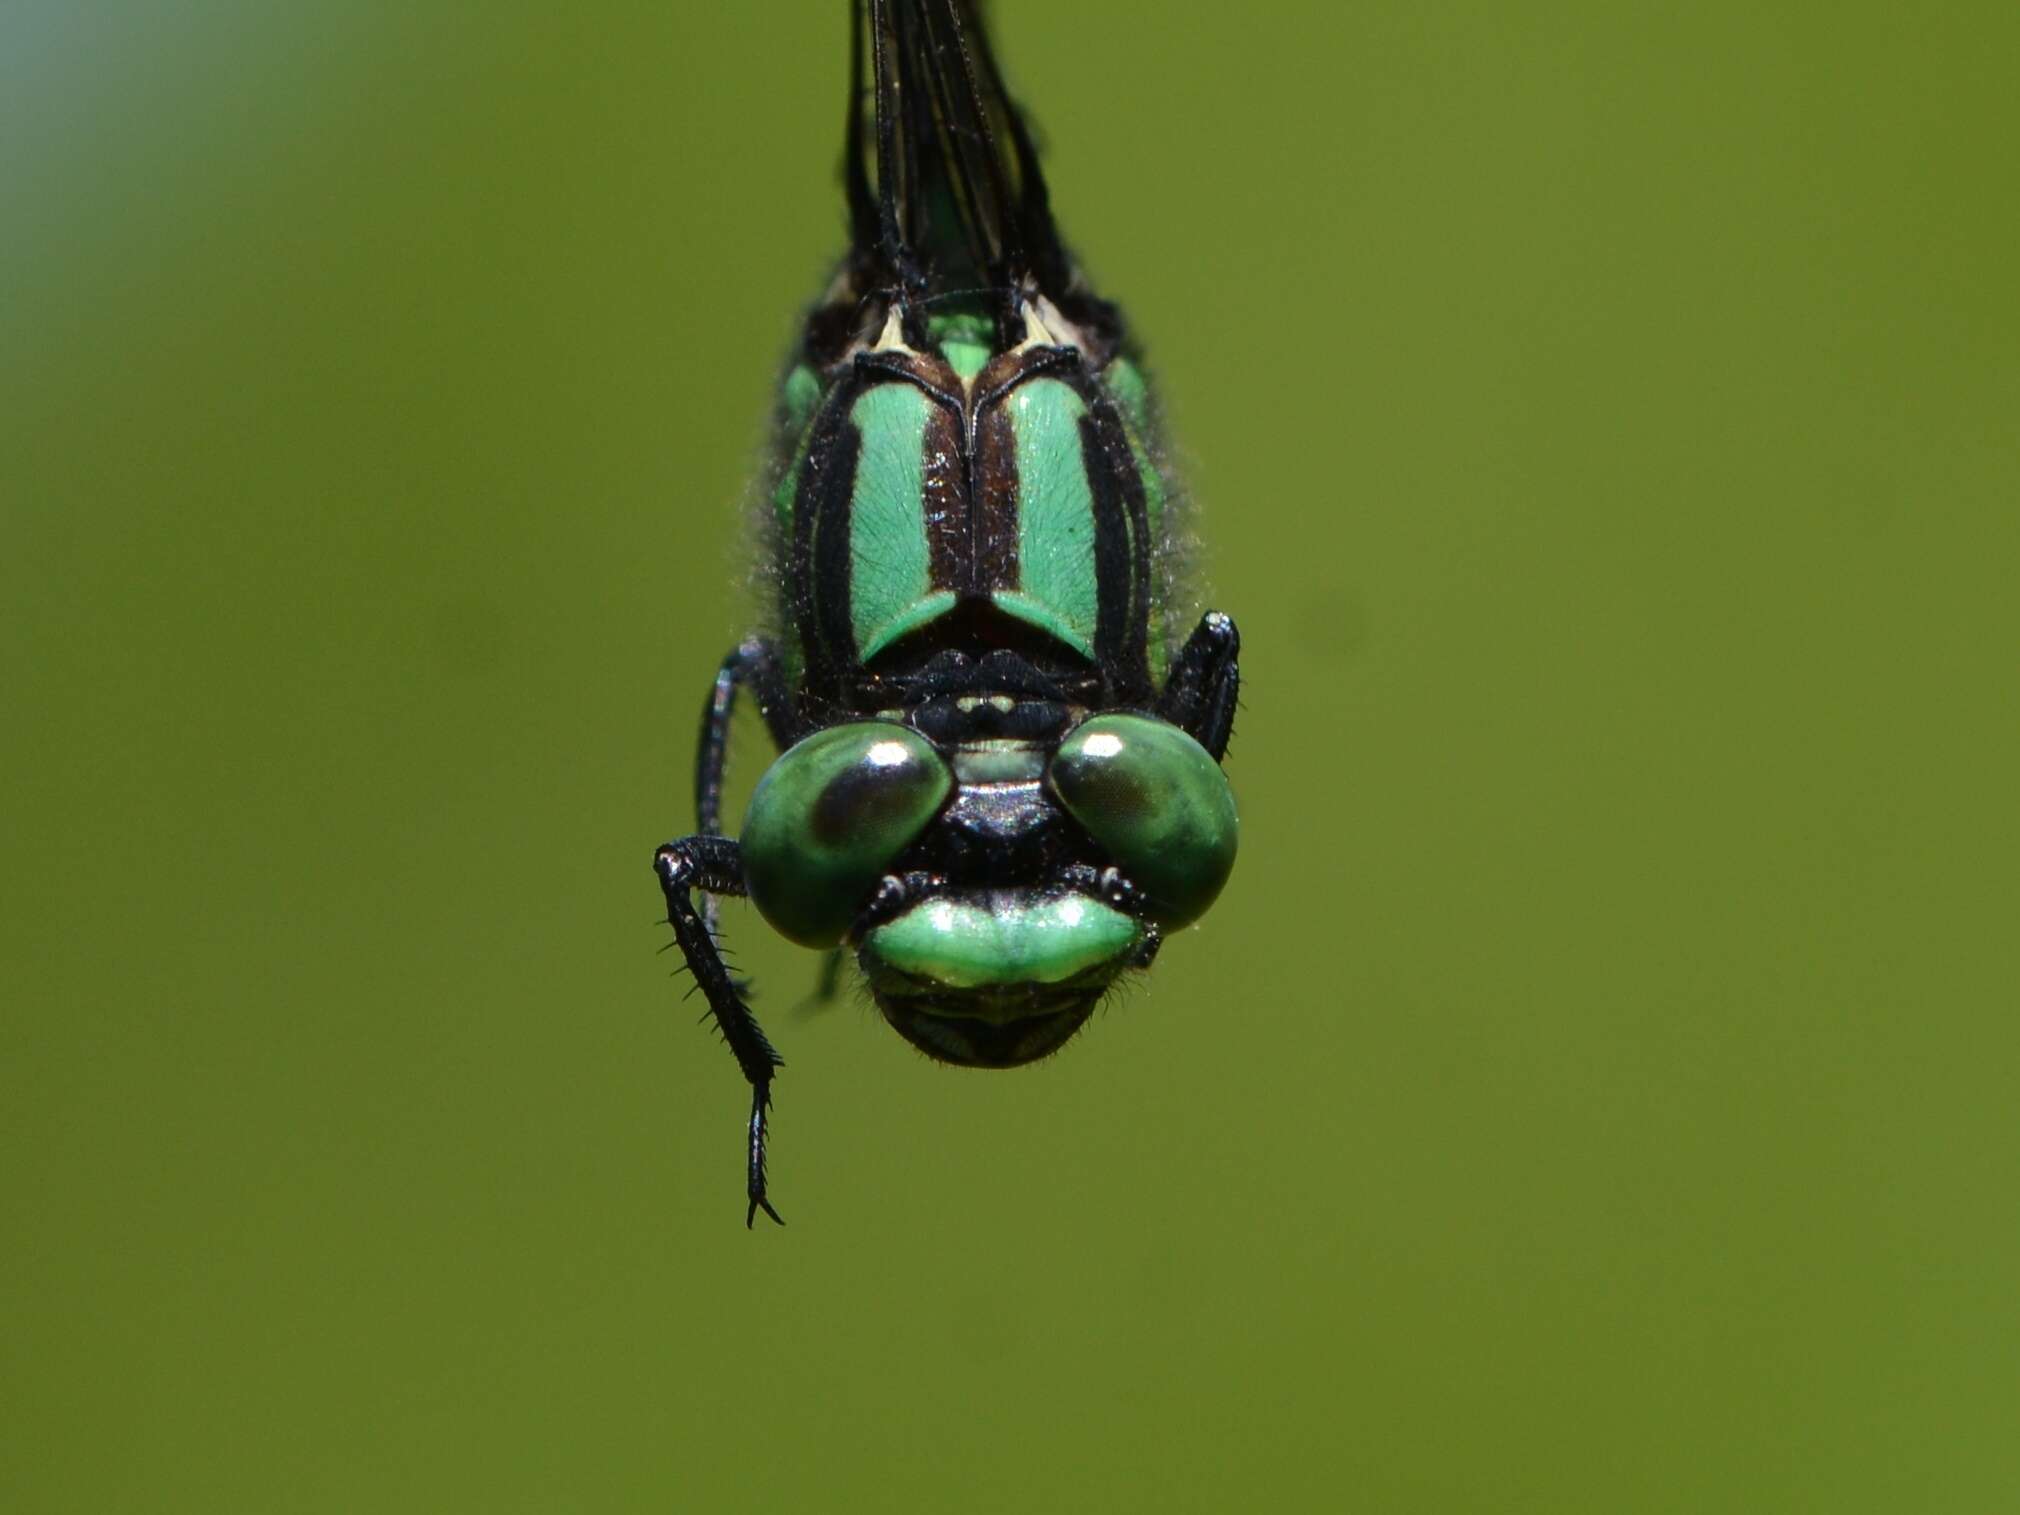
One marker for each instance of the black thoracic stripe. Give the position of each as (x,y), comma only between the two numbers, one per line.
(831,565)
(949,539)
(819,586)
(992,545)
(1120,609)
(1115,436)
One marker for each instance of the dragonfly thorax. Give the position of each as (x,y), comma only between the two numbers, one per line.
(923,484)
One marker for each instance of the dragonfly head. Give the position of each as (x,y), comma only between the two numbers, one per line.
(996,888)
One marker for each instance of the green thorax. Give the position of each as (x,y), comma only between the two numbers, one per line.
(966,339)
(969,470)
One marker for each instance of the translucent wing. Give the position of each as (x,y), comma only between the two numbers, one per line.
(944,187)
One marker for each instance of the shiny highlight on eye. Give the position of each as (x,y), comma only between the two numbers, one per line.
(1158,802)
(829,818)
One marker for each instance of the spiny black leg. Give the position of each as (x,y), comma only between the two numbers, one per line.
(754,665)
(714,865)
(1199,697)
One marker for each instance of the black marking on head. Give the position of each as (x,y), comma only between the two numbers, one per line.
(969,1042)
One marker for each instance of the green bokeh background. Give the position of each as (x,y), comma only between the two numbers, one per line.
(1596,1091)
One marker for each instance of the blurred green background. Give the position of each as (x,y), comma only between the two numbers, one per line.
(1595,1091)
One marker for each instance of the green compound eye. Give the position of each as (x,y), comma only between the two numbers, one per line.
(1157,800)
(827,819)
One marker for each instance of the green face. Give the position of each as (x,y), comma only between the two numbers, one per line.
(997,976)
(1006,938)
(988,973)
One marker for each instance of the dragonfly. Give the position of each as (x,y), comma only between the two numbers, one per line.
(999,714)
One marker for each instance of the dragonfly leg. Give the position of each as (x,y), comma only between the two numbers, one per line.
(754,665)
(714,865)
(829,984)
(710,863)
(751,665)
(1199,697)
